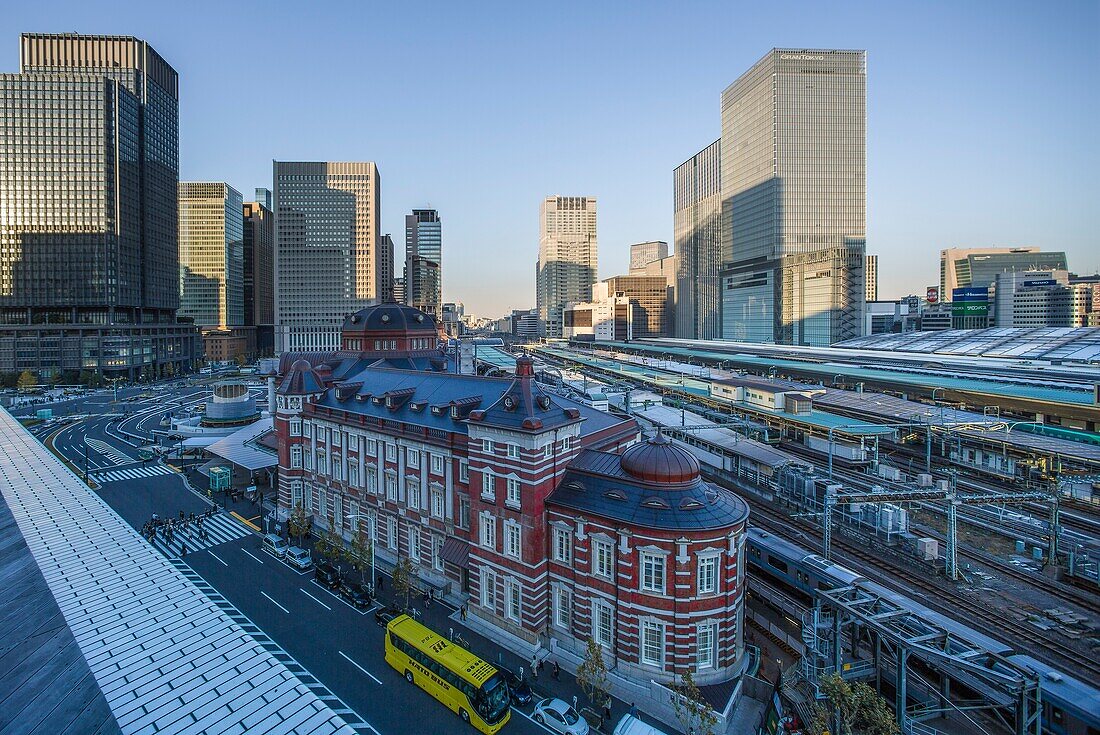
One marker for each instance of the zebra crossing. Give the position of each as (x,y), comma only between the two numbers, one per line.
(219,529)
(111,453)
(130,473)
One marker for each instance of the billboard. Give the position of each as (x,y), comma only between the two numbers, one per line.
(972,301)
(932,294)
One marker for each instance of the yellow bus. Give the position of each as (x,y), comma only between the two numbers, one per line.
(469,686)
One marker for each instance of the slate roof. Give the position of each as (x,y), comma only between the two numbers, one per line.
(390,316)
(525,406)
(45,684)
(596,484)
(301,379)
(441,389)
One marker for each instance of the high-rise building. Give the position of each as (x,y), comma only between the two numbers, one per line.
(326,242)
(211,217)
(399,294)
(649,300)
(644,253)
(871,277)
(794,198)
(259,270)
(385,259)
(424,261)
(89,257)
(978,267)
(568,257)
(697,229)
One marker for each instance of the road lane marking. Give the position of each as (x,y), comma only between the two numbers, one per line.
(360,668)
(316,600)
(253,556)
(276,604)
(245,521)
(216,557)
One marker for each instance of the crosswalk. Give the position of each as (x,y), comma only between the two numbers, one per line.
(130,473)
(219,529)
(111,453)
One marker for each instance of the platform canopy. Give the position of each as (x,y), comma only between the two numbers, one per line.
(243,449)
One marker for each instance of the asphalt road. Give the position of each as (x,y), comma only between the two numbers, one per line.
(340,646)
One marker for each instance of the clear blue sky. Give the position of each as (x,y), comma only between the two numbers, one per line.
(983,117)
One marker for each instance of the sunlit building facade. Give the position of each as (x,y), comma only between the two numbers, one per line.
(211,254)
(568,257)
(697,226)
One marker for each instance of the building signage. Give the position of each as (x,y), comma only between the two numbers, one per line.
(932,294)
(801,57)
(973,293)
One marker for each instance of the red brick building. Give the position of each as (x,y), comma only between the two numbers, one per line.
(520,500)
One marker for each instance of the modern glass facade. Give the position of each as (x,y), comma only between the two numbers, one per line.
(88,173)
(259,270)
(424,261)
(326,243)
(212,258)
(979,267)
(568,256)
(697,227)
(794,198)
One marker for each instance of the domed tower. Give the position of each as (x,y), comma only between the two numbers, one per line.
(647,559)
(389,330)
(300,386)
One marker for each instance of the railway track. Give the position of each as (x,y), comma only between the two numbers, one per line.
(940,597)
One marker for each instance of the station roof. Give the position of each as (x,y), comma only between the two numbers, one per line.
(496,357)
(163,655)
(1078,344)
(244,449)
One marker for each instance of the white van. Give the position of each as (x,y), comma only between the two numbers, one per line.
(631,725)
(275,545)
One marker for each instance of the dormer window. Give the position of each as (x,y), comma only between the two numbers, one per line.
(543,402)
(655,503)
(510,403)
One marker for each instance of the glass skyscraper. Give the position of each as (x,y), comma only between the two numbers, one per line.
(88,238)
(794,198)
(211,254)
(424,261)
(697,227)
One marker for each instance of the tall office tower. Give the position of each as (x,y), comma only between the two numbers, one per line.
(794,198)
(211,216)
(259,270)
(326,241)
(697,228)
(399,294)
(424,261)
(89,259)
(263,197)
(870,273)
(978,267)
(568,257)
(644,253)
(385,265)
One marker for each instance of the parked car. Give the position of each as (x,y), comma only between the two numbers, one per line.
(327,574)
(384,615)
(519,688)
(560,717)
(275,545)
(299,558)
(631,725)
(356,593)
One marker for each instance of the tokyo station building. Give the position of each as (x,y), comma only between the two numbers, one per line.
(553,521)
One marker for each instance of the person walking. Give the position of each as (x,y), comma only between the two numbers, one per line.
(183,549)
(556,671)
(607,709)
(462,612)
(574,701)
(534,667)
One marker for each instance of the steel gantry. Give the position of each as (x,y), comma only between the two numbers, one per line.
(883,633)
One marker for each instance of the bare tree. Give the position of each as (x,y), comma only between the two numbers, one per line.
(692,710)
(592,674)
(360,553)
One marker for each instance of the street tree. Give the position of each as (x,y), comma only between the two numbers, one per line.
(27,380)
(329,544)
(692,710)
(360,553)
(298,523)
(403,579)
(592,674)
(857,708)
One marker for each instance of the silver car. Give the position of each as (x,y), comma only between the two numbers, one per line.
(560,717)
(298,558)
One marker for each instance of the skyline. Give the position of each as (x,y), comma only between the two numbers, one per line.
(957,155)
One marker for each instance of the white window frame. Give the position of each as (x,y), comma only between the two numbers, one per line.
(391,452)
(487,445)
(513,539)
(462,514)
(353,474)
(391,533)
(439,503)
(512,497)
(513,450)
(412,458)
(705,649)
(355,517)
(437,464)
(412,492)
(335,437)
(295,427)
(322,502)
(296,457)
(487,531)
(563,545)
(308,495)
(652,575)
(563,607)
(603,551)
(372,481)
(307,459)
(372,447)
(513,599)
(647,645)
(391,486)
(413,535)
(548,451)
(295,493)
(603,623)
(338,510)
(463,471)
(437,553)
(487,585)
(307,430)
(707,574)
(488,485)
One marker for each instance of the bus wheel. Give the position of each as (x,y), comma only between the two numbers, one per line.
(408,676)
(464,715)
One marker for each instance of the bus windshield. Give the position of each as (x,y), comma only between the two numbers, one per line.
(492,699)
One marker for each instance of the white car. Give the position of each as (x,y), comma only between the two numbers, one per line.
(298,558)
(560,717)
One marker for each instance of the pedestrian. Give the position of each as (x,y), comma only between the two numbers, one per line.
(427,598)
(534,667)
(633,710)
(574,701)
(183,549)
(607,709)
(556,671)
(462,612)
(380,585)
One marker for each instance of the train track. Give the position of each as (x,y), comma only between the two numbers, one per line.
(941,598)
